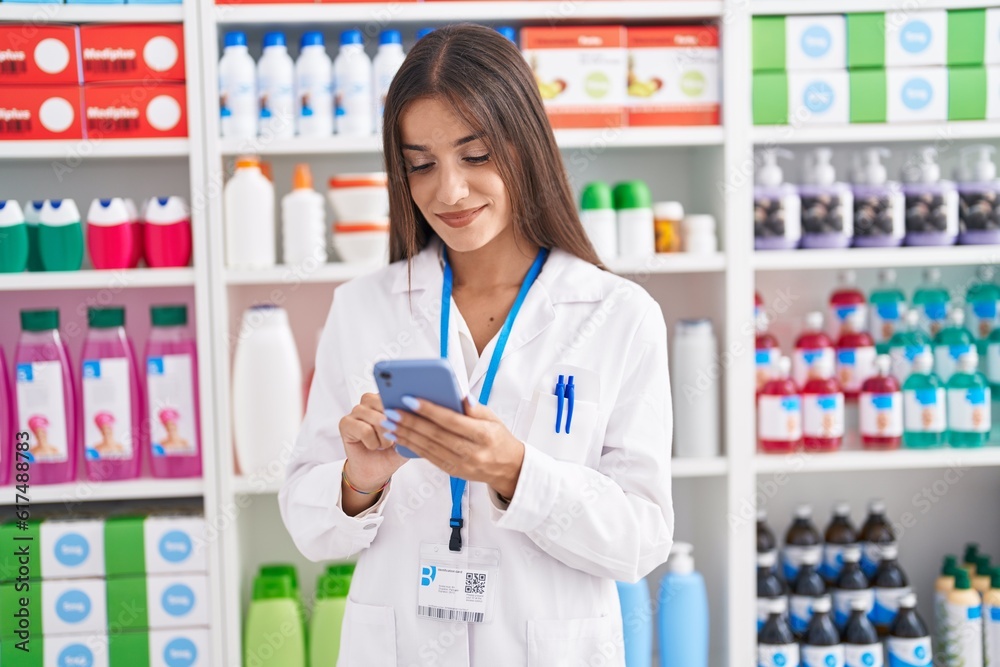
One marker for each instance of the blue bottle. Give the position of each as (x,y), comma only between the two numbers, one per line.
(776,646)
(821,645)
(807,589)
(683,621)
(637,623)
(861,644)
(769,587)
(909,644)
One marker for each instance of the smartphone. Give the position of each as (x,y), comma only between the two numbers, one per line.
(429,379)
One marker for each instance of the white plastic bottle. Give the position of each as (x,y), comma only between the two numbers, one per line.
(314,87)
(353,85)
(249,209)
(237,89)
(275,82)
(695,390)
(636,226)
(267,391)
(387,62)
(303,234)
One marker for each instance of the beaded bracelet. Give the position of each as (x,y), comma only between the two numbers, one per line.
(356,489)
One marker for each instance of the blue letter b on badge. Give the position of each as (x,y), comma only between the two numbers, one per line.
(427,575)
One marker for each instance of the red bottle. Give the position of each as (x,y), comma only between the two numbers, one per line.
(768,353)
(881,408)
(137,244)
(822,410)
(110,234)
(844,301)
(779,413)
(855,355)
(167,236)
(810,347)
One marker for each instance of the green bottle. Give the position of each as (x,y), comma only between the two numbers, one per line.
(288,570)
(887,304)
(13,238)
(981,301)
(924,419)
(32,214)
(274,635)
(931,301)
(968,395)
(906,345)
(951,343)
(60,236)
(328,614)
(993,371)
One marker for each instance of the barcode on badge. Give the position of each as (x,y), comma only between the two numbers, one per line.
(475,583)
(443,614)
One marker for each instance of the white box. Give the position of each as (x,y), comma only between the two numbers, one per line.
(819,98)
(916,38)
(72,549)
(174,544)
(74,606)
(993,36)
(177,601)
(188,647)
(917,94)
(815,42)
(993,92)
(90,650)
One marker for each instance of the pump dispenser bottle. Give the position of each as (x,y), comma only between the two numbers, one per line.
(776,205)
(931,203)
(978,198)
(878,203)
(827,206)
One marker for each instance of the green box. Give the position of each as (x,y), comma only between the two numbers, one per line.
(124,550)
(768,35)
(770,98)
(966,36)
(11,540)
(868,96)
(129,648)
(13,657)
(865,40)
(128,606)
(967,93)
(10,604)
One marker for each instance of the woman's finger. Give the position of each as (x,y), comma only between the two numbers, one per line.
(374,417)
(429,450)
(361,431)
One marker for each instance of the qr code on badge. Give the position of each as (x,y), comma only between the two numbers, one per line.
(475,583)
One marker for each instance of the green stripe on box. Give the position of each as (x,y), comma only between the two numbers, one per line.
(966,36)
(868,95)
(129,648)
(14,657)
(10,604)
(770,98)
(768,34)
(865,40)
(967,93)
(124,552)
(128,608)
(12,540)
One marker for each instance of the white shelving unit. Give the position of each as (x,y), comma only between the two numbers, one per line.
(143,489)
(61,13)
(858,133)
(105,148)
(782,7)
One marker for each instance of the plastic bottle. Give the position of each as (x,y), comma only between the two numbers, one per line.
(950,343)
(876,535)
(313,87)
(353,86)
(943,586)
(851,588)
(879,204)
(931,203)
(963,620)
(328,614)
(275,88)
(237,89)
(978,192)
(822,410)
(924,419)
(802,541)
(637,622)
(768,354)
(906,345)
(698,235)
(839,536)
(888,303)
(981,301)
(138,232)
(597,214)
(274,605)
(250,228)
(110,234)
(909,642)
(931,301)
(769,586)
(667,219)
(422,32)
(984,570)
(861,645)
(172,395)
(46,402)
(993,362)
(991,619)
(634,211)
(508,31)
(776,645)
(821,646)
(60,236)
(779,413)
(267,396)
(766,541)
(881,409)
(777,207)
(827,205)
(806,590)
(811,346)
(890,584)
(386,63)
(970,559)
(13,238)
(696,421)
(6,423)
(288,571)
(855,355)
(845,300)
(969,404)
(167,234)
(111,405)
(302,221)
(683,618)
(32,217)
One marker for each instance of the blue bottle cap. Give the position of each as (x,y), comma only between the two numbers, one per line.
(236,39)
(508,32)
(423,32)
(313,38)
(351,37)
(390,37)
(274,39)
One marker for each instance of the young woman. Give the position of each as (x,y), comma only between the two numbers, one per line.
(501,544)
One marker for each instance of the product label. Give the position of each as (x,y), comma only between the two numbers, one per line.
(763,606)
(277,103)
(804,361)
(823,656)
(41,410)
(73,606)
(823,415)
(871,556)
(885,317)
(982,318)
(863,656)
(767,365)
(933,318)
(902,359)
(924,410)
(771,655)
(909,652)
(800,611)
(839,313)
(993,363)
(315,102)
(780,418)
(881,414)
(236,98)
(170,385)
(842,600)
(180,652)
(969,409)
(991,619)
(887,605)
(107,409)
(792,558)
(833,561)
(946,359)
(964,627)
(854,366)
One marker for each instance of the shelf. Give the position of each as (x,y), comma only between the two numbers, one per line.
(332,272)
(844,6)
(874,258)
(857,461)
(111,279)
(714,467)
(257,486)
(445,12)
(677,262)
(136,489)
(83,149)
(37,13)
(876,132)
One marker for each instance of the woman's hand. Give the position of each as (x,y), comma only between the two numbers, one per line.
(475,446)
(371,459)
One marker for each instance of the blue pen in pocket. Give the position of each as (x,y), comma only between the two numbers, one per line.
(569,400)
(560,394)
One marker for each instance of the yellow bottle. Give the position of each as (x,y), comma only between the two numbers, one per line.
(984,570)
(964,623)
(667,217)
(944,585)
(991,620)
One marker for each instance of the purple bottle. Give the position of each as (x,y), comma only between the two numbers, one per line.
(111,404)
(931,203)
(172,394)
(46,404)
(979,199)
(6,423)
(827,206)
(776,206)
(878,203)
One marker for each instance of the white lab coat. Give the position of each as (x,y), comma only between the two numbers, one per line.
(591,507)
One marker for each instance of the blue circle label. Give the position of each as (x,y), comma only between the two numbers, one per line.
(818,96)
(917,93)
(831,661)
(816,41)
(920,652)
(175,546)
(868,659)
(72,549)
(915,36)
(73,606)
(780,660)
(180,652)
(178,600)
(75,655)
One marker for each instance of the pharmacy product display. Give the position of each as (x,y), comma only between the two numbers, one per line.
(303,233)
(360,204)
(979,197)
(250,217)
(682,624)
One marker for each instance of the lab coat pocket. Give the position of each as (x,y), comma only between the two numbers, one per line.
(575,641)
(578,445)
(368,636)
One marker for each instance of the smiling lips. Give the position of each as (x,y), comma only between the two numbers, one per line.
(461,218)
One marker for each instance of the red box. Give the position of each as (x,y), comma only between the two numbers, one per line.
(33,54)
(135,111)
(136,52)
(40,112)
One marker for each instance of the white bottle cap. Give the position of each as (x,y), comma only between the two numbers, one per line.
(922,166)
(851,553)
(873,171)
(909,601)
(932,275)
(777,605)
(883,363)
(876,506)
(700,223)
(769,174)
(166,210)
(668,210)
(968,362)
(887,276)
(681,560)
(956,317)
(10,213)
(822,171)
(821,605)
(858,604)
(912,319)
(766,559)
(888,551)
(697,327)
(814,321)
(784,367)
(841,508)
(923,363)
(59,212)
(810,557)
(803,511)
(983,169)
(848,277)
(108,212)
(762,321)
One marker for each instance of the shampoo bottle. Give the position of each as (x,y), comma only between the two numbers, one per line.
(979,198)
(637,622)
(13,238)
(951,343)
(597,214)
(878,204)
(328,614)
(881,409)
(991,619)
(779,413)
(931,300)
(888,303)
(931,203)
(969,404)
(924,411)
(60,236)
(274,606)
(683,620)
(906,345)
(776,205)
(963,622)
(827,206)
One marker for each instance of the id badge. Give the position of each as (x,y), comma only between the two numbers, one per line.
(457,586)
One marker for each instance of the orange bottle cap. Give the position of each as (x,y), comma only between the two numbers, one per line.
(303,178)
(245,161)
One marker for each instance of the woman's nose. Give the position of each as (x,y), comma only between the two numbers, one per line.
(453,187)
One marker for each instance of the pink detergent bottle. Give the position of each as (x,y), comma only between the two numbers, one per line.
(768,353)
(779,413)
(822,410)
(845,300)
(168,232)
(6,423)
(811,346)
(136,222)
(46,406)
(112,408)
(110,234)
(172,391)
(881,408)
(855,355)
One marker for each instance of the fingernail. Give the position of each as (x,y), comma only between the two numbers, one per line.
(389,436)
(388,425)
(393,415)
(411,403)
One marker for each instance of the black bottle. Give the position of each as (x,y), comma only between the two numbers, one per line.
(861,643)
(802,538)
(839,534)
(769,586)
(852,585)
(821,644)
(775,641)
(806,591)
(909,643)
(766,542)
(891,585)
(875,534)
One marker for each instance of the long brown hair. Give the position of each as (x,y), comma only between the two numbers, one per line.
(484,77)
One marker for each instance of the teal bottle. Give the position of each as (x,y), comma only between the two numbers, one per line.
(993,371)
(968,395)
(924,412)
(32,214)
(951,343)
(887,304)
(931,301)
(13,238)
(60,236)
(981,301)
(906,345)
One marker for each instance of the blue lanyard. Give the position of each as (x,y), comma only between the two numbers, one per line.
(457,483)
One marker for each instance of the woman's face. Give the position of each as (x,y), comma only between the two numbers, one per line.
(453,178)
